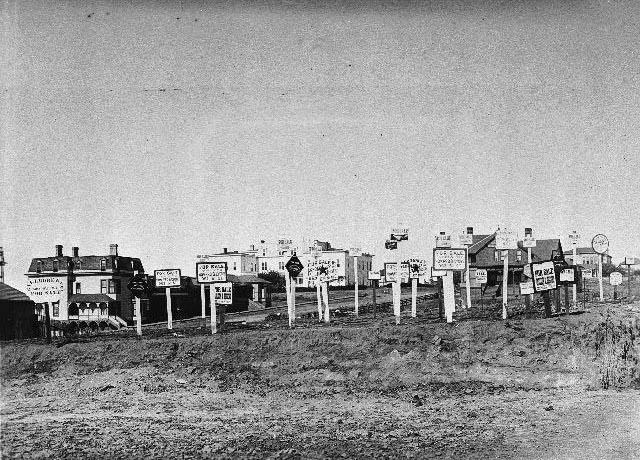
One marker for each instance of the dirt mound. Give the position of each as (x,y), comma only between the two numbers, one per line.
(599,349)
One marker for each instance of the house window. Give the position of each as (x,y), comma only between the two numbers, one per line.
(498,255)
(519,256)
(235,266)
(39,266)
(55,265)
(472,259)
(56,309)
(281,265)
(114,286)
(264,265)
(103,264)
(103,286)
(78,289)
(300,280)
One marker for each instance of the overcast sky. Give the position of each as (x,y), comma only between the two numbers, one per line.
(177,128)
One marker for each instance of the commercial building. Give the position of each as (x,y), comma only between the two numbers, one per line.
(96,294)
(587,257)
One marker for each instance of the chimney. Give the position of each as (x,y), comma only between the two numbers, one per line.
(75,250)
(224,250)
(528,231)
(469,230)
(113,249)
(252,247)
(58,250)
(442,233)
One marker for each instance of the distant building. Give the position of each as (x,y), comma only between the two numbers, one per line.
(483,254)
(97,295)
(587,257)
(17,315)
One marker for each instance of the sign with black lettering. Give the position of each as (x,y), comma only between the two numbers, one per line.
(224,293)
(167,278)
(544,276)
(450,259)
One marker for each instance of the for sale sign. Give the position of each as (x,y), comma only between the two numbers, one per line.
(224,293)
(544,276)
(211,272)
(46,289)
(355,252)
(167,278)
(449,259)
(443,241)
(529,242)
(506,239)
(375,275)
(390,269)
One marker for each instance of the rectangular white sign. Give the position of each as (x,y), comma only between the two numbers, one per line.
(46,289)
(355,252)
(374,275)
(437,273)
(167,278)
(466,239)
(567,275)
(450,259)
(587,273)
(400,233)
(390,272)
(322,270)
(443,241)
(224,293)
(526,288)
(211,272)
(544,276)
(506,239)
(481,276)
(529,242)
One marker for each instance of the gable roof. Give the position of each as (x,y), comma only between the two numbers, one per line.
(10,293)
(479,242)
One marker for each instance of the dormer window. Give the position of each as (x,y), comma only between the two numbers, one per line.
(55,265)
(39,266)
(103,264)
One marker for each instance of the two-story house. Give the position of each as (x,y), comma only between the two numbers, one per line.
(96,294)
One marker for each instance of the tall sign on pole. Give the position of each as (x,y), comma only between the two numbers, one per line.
(449,260)
(575,239)
(467,240)
(528,242)
(294,267)
(138,287)
(355,252)
(629,261)
(398,233)
(600,244)
(168,278)
(417,269)
(210,273)
(505,240)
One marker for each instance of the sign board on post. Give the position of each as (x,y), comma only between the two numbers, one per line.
(506,239)
(526,288)
(223,293)
(481,276)
(211,272)
(450,259)
(587,273)
(615,278)
(375,275)
(443,241)
(167,278)
(600,243)
(390,271)
(44,290)
(631,261)
(567,275)
(466,239)
(355,252)
(294,266)
(138,285)
(544,276)
(399,233)
(529,242)
(418,268)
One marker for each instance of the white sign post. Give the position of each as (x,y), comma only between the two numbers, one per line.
(313,273)
(575,238)
(466,239)
(528,242)
(210,273)
(449,260)
(417,269)
(398,233)
(600,244)
(167,279)
(327,271)
(355,252)
(505,240)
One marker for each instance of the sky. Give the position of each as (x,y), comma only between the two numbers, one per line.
(179,128)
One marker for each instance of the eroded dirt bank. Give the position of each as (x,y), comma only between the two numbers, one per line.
(371,390)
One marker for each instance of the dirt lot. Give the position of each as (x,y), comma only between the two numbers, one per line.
(565,387)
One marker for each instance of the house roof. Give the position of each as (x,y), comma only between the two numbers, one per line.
(543,250)
(84,298)
(10,293)
(479,242)
(86,263)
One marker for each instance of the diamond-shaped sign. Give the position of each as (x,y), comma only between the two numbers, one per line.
(294,266)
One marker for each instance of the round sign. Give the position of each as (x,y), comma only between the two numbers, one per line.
(600,243)
(615,278)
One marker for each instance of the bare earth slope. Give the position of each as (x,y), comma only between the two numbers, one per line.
(556,388)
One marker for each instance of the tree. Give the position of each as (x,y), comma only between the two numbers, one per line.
(276,279)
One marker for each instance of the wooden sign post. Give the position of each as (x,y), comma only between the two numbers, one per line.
(575,238)
(374,276)
(417,269)
(221,293)
(294,268)
(398,233)
(138,287)
(466,240)
(168,278)
(315,252)
(528,242)
(505,240)
(209,273)
(355,252)
(629,261)
(600,244)
(449,260)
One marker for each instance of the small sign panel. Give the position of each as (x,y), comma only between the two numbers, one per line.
(138,285)
(355,252)
(506,239)
(46,289)
(437,273)
(167,278)
(450,259)
(323,270)
(481,276)
(211,272)
(391,244)
(443,241)
(587,273)
(418,268)
(466,239)
(615,278)
(294,266)
(567,276)
(575,238)
(526,288)
(390,271)
(375,275)
(544,276)
(400,233)
(224,293)
(600,243)
(529,242)
(631,261)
